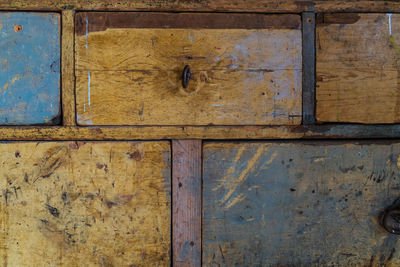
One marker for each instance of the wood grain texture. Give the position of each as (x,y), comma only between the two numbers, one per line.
(358,69)
(101,21)
(308,22)
(207,132)
(68,78)
(299,204)
(240,76)
(186,199)
(30,68)
(206,5)
(85,204)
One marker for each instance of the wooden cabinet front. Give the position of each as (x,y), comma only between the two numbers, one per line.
(245,69)
(85,204)
(299,203)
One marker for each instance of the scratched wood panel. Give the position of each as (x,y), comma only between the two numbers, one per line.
(85,204)
(30,68)
(299,204)
(246,69)
(186,199)
(357,68)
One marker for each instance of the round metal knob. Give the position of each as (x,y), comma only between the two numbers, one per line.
(186,75)
(391,221)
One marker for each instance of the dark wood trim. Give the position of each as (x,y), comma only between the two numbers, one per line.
(186,202)
(308,25)
(101,21)
(260,6)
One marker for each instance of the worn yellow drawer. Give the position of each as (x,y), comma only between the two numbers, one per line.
(246,69)
(299,204)
(357,68)
(85,204)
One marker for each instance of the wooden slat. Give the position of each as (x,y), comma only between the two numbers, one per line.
(240,76)
(85,204)
(308,24)
(358,68)
(101,21)
(190,132)
(186,201)
(216,5)
(67,61)
(299,204)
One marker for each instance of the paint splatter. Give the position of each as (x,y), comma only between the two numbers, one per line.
(236,200)
(86,34)
(89,88)
(390,23)
(244,174)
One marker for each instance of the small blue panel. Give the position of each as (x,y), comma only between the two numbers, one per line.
(29,68)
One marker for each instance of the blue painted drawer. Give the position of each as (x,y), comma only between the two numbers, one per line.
(29,68)
(299,204)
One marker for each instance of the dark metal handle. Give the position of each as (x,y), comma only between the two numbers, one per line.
(186,76)
(391,221)
(391,218)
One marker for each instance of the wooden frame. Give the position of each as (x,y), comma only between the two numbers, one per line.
(70,131)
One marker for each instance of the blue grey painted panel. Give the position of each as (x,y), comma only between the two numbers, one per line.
(29,68)
(299,204)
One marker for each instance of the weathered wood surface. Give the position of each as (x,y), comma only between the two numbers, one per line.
(299,204)
(308,37)
(68,78)
(85,204)
(204,132)
(30,68)
(208,5)
(186,199)
(358,68)
(132,76)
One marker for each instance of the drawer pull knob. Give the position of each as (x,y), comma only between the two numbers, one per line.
(186,76)
(391,218)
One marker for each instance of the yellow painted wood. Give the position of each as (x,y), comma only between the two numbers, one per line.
(358,69)
(151,132)
(68,79)
(240,77)
(85,204)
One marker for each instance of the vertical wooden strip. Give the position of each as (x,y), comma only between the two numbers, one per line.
(186,202)
(308,23)
(67,69)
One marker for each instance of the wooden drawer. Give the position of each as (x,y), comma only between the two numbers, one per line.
(299,204)
(30,68)
(246,69)
(358,68)
(85,204)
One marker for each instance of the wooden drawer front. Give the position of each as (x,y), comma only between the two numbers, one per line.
(30,68)
(358,68)
(299,204)
(85,204)
(246,69)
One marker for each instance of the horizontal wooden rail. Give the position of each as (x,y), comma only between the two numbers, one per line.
(191,132)
(216,5)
